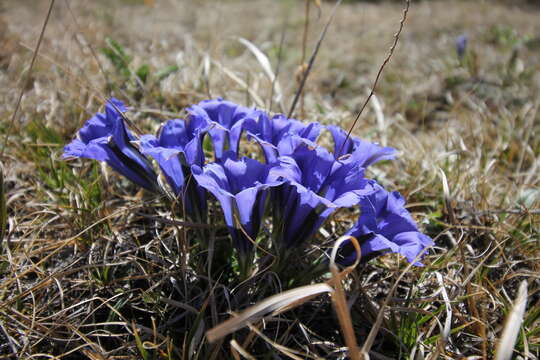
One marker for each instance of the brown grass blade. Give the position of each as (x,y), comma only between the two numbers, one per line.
(265,307)
(505,348)
(3,209)
(266,66)
(283,349)
(448,321)
(256,98)
(339,300)
(236,349)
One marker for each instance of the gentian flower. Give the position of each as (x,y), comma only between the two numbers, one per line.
(461,45)
(178,146)
(361,152)
(104,137)
(270,132)
(385,226)
(316,186)
(241,187)
(231,118)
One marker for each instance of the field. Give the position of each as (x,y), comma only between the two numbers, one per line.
(93,267)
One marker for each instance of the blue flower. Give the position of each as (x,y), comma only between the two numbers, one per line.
(270,132)
(104,137)
(361,152)
(241,187)
(178,146)
(385,226)
(461,45)
(231,120)
(316,186)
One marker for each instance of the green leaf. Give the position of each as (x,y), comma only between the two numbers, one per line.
(455,330)
(166,71)
(142,72)
(118,56)
(208,147)
(139,342)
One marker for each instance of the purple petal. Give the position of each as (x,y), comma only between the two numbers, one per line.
(231,118)
(361,152)
(317,185)
(386,226)
(167,159)
(104,137)
(241,188)
(269,133)
(461,45)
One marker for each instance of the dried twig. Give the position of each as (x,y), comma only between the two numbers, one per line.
(379,73)
(28,78)
(312,59)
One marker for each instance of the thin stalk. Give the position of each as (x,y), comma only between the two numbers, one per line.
(379,73)
(312,60)
(27,80)
(304,49)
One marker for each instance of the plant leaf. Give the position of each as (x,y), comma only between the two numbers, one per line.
(142,72)
(272,304)
(166,71)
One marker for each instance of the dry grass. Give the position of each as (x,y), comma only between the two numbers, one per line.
(89,268)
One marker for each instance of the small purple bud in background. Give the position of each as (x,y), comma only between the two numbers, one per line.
(461,45)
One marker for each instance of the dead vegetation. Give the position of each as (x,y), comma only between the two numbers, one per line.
(91,268)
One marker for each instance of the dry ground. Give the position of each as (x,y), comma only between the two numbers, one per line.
(84,272)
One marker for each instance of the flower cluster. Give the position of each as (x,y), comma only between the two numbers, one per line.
(299,182)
